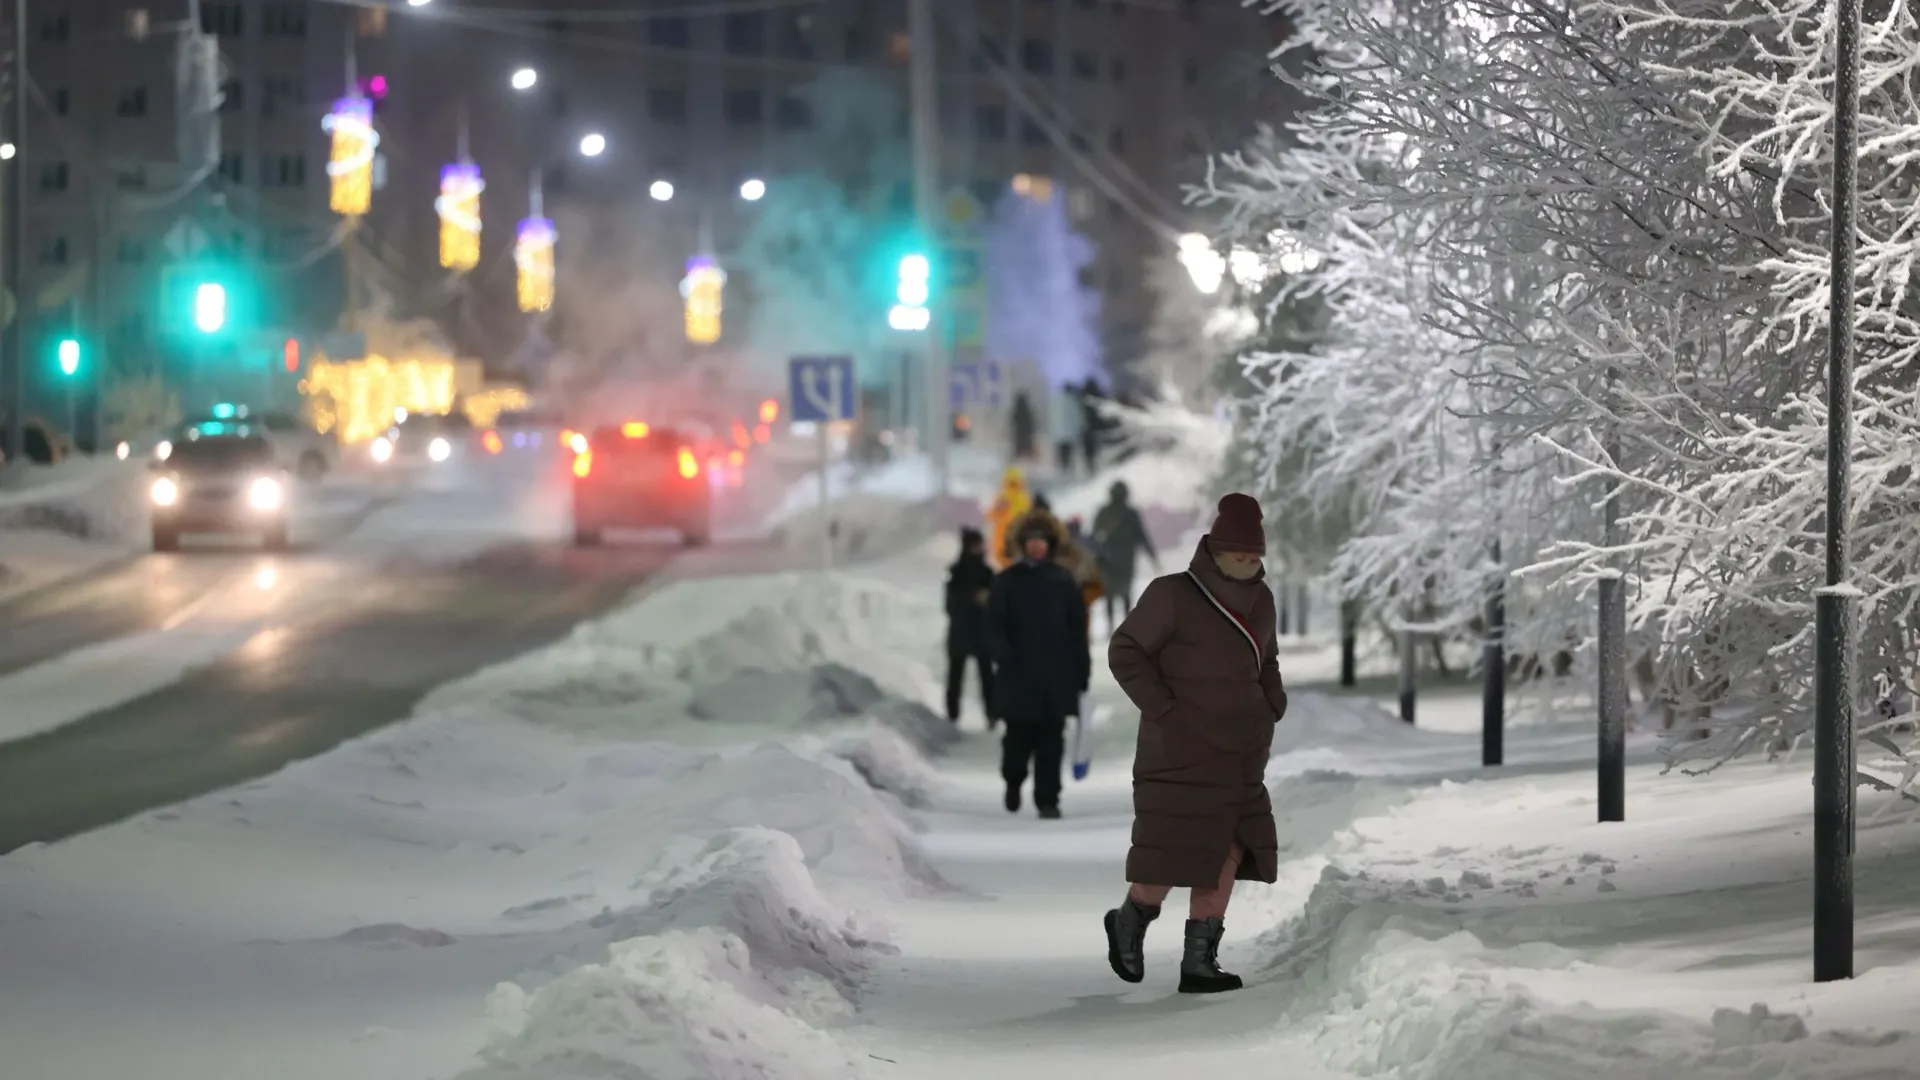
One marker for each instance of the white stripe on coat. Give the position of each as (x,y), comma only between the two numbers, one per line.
(1229,616)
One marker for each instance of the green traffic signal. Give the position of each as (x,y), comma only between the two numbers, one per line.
(210,307)
(69,357)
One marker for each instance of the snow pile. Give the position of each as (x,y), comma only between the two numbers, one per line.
(97,499)
(771,655)
(680,1006)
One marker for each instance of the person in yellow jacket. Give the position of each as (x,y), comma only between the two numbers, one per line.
(1010,506)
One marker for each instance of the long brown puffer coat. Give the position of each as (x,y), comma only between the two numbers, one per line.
(1207,683)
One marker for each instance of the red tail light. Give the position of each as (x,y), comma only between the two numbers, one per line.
(583,463)
(761,433)
(689,465)
(491,440)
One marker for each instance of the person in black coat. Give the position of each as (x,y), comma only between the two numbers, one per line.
(969,581)
(1037,625)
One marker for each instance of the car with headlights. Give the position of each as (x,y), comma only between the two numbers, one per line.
(297,446)
(426,439)
(635,476)
(225,483)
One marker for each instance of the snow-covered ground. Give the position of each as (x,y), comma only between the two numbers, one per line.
(719,834)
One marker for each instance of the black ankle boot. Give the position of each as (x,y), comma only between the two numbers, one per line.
(1012,800)
(1200,968)
(1126,938)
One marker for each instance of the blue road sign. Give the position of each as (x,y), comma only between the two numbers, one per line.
(820,388)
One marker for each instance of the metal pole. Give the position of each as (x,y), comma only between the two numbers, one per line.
(1409,673)
(826,499)
(1493,662)
(1612,760)
(926,200)
(1835,653)
(1349,643)
(14,228)
(1300,612)
(1283,595)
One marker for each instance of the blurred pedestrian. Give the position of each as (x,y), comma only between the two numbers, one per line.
(1119,536)
(1008,507)
(1199,658)
(1094,430)
(969,583)
(1042,664)
(1025,424)
(1068,426)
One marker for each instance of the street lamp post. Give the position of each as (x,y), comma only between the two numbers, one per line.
(1834,605)
(16,256)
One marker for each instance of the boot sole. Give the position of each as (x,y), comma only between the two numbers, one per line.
(1113,952)
(1209,986)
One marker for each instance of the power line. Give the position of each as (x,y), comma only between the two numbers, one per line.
(715,7)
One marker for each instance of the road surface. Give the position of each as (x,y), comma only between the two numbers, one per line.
(279,657)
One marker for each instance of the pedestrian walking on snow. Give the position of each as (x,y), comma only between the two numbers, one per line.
(1042,663)
(1119,536)
(969,583)
(1199,658)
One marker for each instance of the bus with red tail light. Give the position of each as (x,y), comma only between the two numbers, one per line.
(635,475)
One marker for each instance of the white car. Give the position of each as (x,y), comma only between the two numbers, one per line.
(297,447)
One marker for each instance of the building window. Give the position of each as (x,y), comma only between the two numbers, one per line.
(53,251)
(56,28)
(743,107)
(667,104)
(371,22)
(283,19)
(233,168)
(223,20)
(62,102)
(283,170)
(133,102)
(990,122)
(232,95)
(1190,72)
(132,251)
(1030,133)
(53,176)
(279,94)
(793,113)
(134,179)
(794,37)
(1086,65)
(1036,55)
(669,33)
(747,33)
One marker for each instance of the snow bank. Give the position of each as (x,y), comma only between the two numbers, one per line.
(680,1006)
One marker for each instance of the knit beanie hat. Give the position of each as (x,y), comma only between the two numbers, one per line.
(1238,528)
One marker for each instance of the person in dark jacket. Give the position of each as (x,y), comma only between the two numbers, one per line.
(1199,658)
(969,582)
(1026,427)
(1038,628)
(1119,536)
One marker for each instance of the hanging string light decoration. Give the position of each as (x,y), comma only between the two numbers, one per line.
(702,287)
(459,209)
(350,162)
(533,256)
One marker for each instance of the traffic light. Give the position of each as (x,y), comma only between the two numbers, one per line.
(210,307)
(912,292)
(69,353)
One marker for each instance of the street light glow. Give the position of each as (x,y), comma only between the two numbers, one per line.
(7,151)
(593,145)
(524,78)
(753,190)
(418,3)
(661,191)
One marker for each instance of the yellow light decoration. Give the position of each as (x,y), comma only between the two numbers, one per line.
(356,399)
(459,209)
(703,287)
(485,407)
(533,256)
(350,163)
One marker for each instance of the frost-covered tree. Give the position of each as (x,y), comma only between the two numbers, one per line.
(1038,310)
(1549,228)
(1193,338)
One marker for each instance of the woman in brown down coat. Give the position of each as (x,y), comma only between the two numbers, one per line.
(1199,658)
